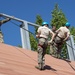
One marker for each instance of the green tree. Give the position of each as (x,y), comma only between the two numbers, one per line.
(39,21)
(33,42)
(58,17)
(19,46)
(72,30)
(33,39)
(58,20)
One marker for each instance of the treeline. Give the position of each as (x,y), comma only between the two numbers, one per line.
(58,19)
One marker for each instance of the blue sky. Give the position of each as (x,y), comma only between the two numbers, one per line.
(27,10)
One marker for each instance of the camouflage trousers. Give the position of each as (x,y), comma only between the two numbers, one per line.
(55,47)
(42,46)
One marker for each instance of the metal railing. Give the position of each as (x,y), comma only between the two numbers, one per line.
(71,48)
(24,34)
(26,41)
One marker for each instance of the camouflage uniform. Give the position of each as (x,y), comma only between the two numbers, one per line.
(62,33)
(42,45)
(1,35)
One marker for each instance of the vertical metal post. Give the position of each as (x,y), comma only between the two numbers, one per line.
(73,45)
(25,36)
(70,48)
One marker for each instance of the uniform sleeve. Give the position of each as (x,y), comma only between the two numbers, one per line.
(58,30)
(51,32)
(5,20)
(68,33)
(39,30)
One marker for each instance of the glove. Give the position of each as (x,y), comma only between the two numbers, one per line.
(37,36)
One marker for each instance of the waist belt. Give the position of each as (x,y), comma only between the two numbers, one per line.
(60,37)
(40,45)
(44,38)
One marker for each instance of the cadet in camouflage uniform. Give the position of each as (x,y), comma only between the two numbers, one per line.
(1,35)
(43,33)
(62,35)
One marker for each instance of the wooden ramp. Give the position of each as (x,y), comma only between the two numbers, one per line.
(18,61)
